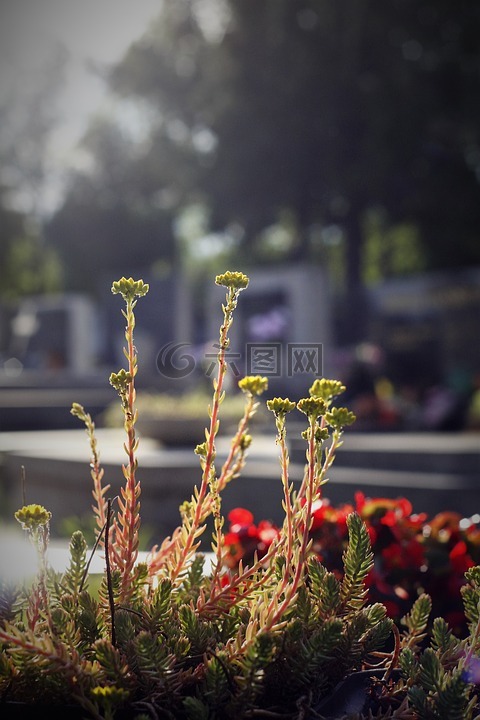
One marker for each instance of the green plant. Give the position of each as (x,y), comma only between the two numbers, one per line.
(168,639)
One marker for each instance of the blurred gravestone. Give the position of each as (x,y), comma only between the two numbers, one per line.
(55,332)
(282,327)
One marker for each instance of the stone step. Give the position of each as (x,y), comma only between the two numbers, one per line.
(452,453)
(57,472)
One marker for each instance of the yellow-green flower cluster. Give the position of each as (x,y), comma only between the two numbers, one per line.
(312,406)
(110,694)
(253,384)
(130,288)
(245,441)
(120,380)
(319,434)
(78,411)
(32,517)
(233,280)
(339,417)
(326,389)
(201,449)
(280,406)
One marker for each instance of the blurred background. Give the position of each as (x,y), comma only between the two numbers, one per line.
(331,150)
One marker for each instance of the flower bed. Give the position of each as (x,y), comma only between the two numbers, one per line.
(281,637)
(413,553)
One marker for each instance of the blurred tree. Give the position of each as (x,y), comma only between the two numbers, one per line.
(27,267)
(28,114)
(107,221)
(27,118)
(290,121)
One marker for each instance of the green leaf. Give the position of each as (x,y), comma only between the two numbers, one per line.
(443,641)
(199,632)
(431,671)
(151,655)
(416,620)
(453,699)
(358,561)
(73,577)
(330,595)
(408,663)
(195,709)
(316,573)
(418,699)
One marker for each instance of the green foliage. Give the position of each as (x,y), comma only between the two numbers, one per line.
(75,575)
(391,250)
(437,691)
(417,619)
(330,596)
(358,561)
(370,91)
(195,709)
(27,266)
(167,638)
(471,597)
(444,642)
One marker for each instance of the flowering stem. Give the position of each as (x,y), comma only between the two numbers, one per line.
(129,520)
(124,550)
(109,572)
(230,469)
(236,447)
(288,531)
(35,520)
(295,562)
(96,471)
(209,482)
(311,487)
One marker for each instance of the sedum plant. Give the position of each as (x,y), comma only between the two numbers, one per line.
(170,638)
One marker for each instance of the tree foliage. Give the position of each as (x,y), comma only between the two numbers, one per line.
(305,115)
(27,118)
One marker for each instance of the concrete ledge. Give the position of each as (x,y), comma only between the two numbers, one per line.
(453,453)
(58,475)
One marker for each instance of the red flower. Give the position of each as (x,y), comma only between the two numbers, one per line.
(318,513)
(373,535)
(240,516)
(267,532)
(460,559)
(359,501)
(390,518)
(403,556)
(411,551)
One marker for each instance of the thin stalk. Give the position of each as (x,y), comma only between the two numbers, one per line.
(111,600)
(127,526)
(301,525)
(208,473)
(230,469)
(96,470)
(286,541)
(285,463)
(226,597)
(236,447)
